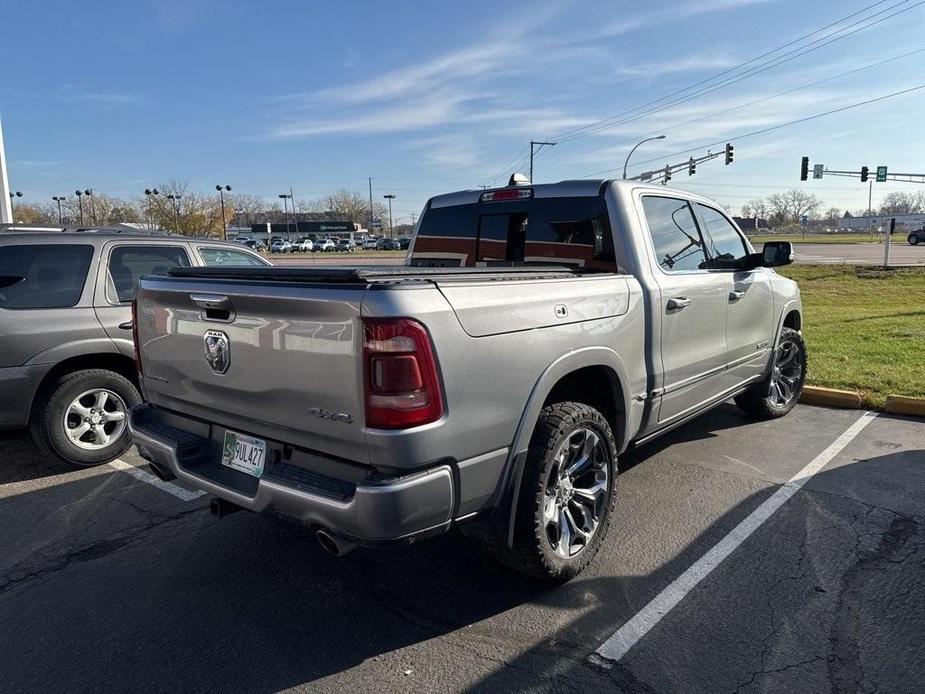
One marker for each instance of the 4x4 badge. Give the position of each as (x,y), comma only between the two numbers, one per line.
(217,350)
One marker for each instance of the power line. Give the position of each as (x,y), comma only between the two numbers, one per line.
(761,100)
(780,60)
(771,128)
(570,134)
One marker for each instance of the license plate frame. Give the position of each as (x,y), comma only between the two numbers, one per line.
(244,453)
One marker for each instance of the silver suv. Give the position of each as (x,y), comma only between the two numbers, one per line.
(66,357)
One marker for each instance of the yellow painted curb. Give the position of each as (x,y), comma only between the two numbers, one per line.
(814,395)
(898,404)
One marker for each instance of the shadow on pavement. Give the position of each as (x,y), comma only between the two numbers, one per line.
(24,461)
(245,604)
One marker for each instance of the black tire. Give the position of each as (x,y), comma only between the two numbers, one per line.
(50,416)
(533,552)
(913,239)
(762,401)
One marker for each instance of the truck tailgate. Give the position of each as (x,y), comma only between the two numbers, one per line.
(292,359)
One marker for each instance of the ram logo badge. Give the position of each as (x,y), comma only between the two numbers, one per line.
(217,350)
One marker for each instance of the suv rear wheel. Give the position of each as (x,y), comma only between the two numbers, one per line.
(914,238)
(566,495)
(82,419)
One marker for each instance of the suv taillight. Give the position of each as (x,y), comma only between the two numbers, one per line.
(400,374)
(135,336)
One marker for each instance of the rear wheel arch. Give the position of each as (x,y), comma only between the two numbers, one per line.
(598,386)
(109,361)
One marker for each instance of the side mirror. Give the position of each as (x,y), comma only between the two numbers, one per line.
(777,253)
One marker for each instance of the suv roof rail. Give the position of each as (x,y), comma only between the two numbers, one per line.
(39,229)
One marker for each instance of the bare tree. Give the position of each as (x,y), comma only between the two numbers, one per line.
(901,202)
(189,213)
(755,208)
(789,207)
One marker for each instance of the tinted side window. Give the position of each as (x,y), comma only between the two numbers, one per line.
(224,257)
(677,242)
(43,275)
(724,244)
(128,263)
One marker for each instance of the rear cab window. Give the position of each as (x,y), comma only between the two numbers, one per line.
(128,263)
(34,276)
(571,231)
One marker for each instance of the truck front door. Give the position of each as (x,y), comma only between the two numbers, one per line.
(691,306)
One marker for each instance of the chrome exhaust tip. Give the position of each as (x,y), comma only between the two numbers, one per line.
(334,545)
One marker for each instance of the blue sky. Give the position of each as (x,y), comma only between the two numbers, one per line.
(430,97)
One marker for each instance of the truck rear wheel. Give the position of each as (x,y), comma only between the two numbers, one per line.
(83,418)
(914,239)
(776,395)
(566,494)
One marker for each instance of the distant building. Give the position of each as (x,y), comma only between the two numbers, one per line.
(312,229)
(903,221)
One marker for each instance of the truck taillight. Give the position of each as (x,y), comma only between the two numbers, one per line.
(402,387)
(135,337)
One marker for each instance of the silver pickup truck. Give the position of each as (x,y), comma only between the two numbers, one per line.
(534,333)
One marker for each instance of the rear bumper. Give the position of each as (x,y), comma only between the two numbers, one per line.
(368,511)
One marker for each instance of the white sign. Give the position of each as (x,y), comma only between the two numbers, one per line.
(817,170)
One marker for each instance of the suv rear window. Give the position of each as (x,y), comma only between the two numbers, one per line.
(543,231)
(127,264)
(43,275)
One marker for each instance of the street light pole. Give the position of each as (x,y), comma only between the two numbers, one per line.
(541,144)
(175,200)
(390,197)
(80,205)
(59,199)
(150,192)
(286,197)
(648,139)
(89,193)
(221,196)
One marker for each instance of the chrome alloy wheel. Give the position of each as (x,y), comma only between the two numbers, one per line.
(576,492)
(786,374)
(95,419)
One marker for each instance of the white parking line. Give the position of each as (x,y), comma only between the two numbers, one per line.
(627,636)
(138,474)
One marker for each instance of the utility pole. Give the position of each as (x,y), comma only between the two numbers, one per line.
(533,143)
(870,197)
(6,196)
(221,197)
(80,205)
(370,179)
(59,199)
(414,218)
(390,197)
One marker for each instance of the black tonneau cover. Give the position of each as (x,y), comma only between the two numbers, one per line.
(371,273)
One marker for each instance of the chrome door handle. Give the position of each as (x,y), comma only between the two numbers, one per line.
(736,294)
(676,303)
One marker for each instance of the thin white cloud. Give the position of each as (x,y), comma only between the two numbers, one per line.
(692,63)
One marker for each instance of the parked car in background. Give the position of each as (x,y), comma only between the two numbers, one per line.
(67,364)
(390,245)
(324,245)
(371,244)
(255,244)
(404,242)
(916,237)
(281,246)
(305,245)
(345,246)
(645,306)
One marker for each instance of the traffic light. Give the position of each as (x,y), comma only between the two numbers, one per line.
(728,154)
(667,173)
(804,169)
(864,171)
(691,167)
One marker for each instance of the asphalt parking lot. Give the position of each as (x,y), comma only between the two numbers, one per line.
(108,582)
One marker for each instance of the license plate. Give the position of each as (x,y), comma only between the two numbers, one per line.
(244,453)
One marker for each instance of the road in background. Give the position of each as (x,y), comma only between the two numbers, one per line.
(107,582)
(901,254)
